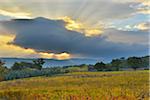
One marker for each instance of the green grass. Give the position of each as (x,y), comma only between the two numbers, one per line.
(122,85)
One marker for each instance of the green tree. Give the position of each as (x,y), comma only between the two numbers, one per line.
(100,66)
(134,62)
(17,66)
(3,70)
(39,63)
(145,61)
(116,63)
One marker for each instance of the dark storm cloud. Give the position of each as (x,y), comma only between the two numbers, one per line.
(51,35)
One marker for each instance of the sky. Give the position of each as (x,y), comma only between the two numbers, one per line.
(64,29)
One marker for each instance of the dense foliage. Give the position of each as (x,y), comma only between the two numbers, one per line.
(37,64)
(134,62)
(26,69)
(122,63)
(100,66)
(16,74)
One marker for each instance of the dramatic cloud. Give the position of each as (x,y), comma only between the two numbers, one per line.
(44,35)
(85,28)
(10,50)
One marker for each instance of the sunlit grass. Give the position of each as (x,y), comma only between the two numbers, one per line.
(123,85)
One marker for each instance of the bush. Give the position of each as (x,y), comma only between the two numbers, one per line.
(17,74)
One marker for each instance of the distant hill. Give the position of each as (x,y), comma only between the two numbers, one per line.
(50,62)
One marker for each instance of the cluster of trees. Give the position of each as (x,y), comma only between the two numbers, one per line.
(36,64)
(25,73)
(26,69)
(117,64)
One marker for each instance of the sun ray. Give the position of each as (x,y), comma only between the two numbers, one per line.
(76,15)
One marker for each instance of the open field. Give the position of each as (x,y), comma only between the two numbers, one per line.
(122,85)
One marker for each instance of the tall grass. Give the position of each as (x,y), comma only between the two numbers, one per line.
(125,85)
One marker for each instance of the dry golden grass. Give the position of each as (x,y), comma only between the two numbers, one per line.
(123,85)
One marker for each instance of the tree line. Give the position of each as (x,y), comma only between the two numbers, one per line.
(35,68)
(117,64)
(26,69)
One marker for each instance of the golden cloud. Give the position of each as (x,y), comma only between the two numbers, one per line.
(142,26)
(82,28)
(10,50)
(15,14)
(60,56)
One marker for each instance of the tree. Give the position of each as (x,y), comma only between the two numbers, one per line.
(1,63)
(3,70)
(39,63)
(17,66)
(116,63)
(134,62)
(145,61)
(100,66)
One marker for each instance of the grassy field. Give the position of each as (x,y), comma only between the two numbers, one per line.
(123,85)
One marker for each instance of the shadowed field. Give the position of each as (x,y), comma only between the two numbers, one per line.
(122,85)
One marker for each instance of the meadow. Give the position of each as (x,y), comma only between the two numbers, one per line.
(117,85)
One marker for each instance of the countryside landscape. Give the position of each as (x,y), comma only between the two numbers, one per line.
(74,50)
(111,81)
